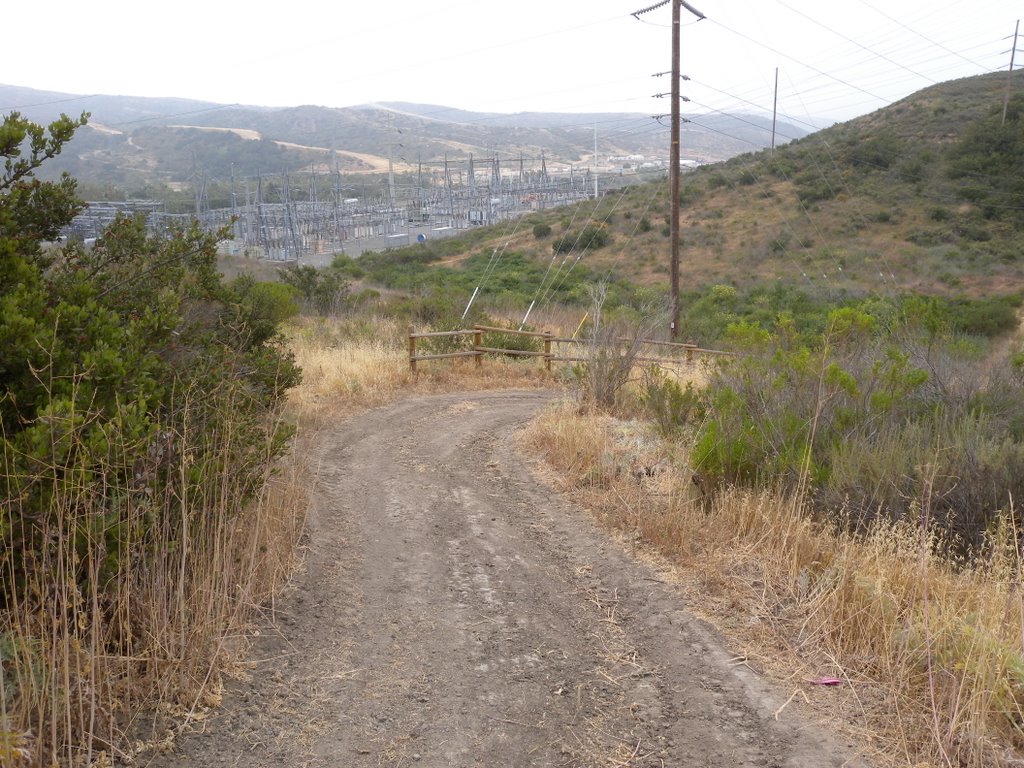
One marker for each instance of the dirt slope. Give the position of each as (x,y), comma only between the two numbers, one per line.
(454,611)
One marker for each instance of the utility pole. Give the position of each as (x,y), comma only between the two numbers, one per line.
(775,109)
(391,175)
(595,162)
(674,159)
(1009,74)
(391,164)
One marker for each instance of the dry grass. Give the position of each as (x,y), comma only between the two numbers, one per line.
(932,655)
(108,648)
(353,363)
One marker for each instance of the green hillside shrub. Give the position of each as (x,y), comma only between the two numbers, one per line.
(667,403)
(878,419)
(813,186)
(322,290)
(993,151)
(591,237)
(875,152)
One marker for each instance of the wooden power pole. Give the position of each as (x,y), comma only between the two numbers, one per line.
(1009,74)
(674,161)
(775,109)
(674,158)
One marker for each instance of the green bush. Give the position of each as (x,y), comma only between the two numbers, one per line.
(345,265)
(262,306)
(875,420)
(877,152)
(323,290)
(125,368)
(540,231)
(814,186)
(591,237)
(669,405)
(984,317)
(512,341)
(992,150)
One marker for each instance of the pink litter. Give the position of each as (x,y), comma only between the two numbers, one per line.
(826,681)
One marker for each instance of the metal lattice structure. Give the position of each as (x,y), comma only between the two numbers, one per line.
(290,229)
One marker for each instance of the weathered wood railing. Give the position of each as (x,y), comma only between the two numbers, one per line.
(478,350)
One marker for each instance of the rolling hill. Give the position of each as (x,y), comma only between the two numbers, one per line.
(925,195)
(133,142)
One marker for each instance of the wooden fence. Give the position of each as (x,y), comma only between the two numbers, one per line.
(479,349)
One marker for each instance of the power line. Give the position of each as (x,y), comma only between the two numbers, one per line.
(48,103)
(915,32)
(851,40)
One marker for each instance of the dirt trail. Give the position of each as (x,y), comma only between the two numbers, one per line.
(454,611)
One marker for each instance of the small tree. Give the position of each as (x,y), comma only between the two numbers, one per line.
(136,413)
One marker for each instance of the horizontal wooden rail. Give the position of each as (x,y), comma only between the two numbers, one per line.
(685,346)
(443,356)
(479,350)
(516,352)
(492,329)
(439,334)
(659,360)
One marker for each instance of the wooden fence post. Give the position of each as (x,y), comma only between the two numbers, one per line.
(478,341)
(547,350)
(412,348)
(690,346)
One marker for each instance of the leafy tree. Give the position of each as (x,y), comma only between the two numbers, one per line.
(112,357)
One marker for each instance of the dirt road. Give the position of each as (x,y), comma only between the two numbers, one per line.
(454,611)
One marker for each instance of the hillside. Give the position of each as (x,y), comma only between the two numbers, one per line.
(923,195)
(133,142)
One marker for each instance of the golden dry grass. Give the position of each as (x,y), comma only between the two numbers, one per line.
(931,655)
(89,647)
(352,363)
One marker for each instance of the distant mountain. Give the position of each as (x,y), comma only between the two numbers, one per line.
(136,142)
(46,105)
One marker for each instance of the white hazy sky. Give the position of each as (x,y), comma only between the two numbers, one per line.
(835,59)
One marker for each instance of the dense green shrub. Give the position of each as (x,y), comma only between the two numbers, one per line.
(874,152)
(540,231)
(983,317)
(813,186)
(263,306)
(877,419)
(323,290)
(112,356)
(511,341)
(345,265)
(591,237)
(993,151)
(666,402)
(716,181)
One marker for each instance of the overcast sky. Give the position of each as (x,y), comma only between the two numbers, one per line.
(835,59)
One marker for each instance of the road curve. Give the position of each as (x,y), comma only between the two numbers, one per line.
(453,611)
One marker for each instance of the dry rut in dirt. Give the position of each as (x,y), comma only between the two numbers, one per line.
(454,611)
